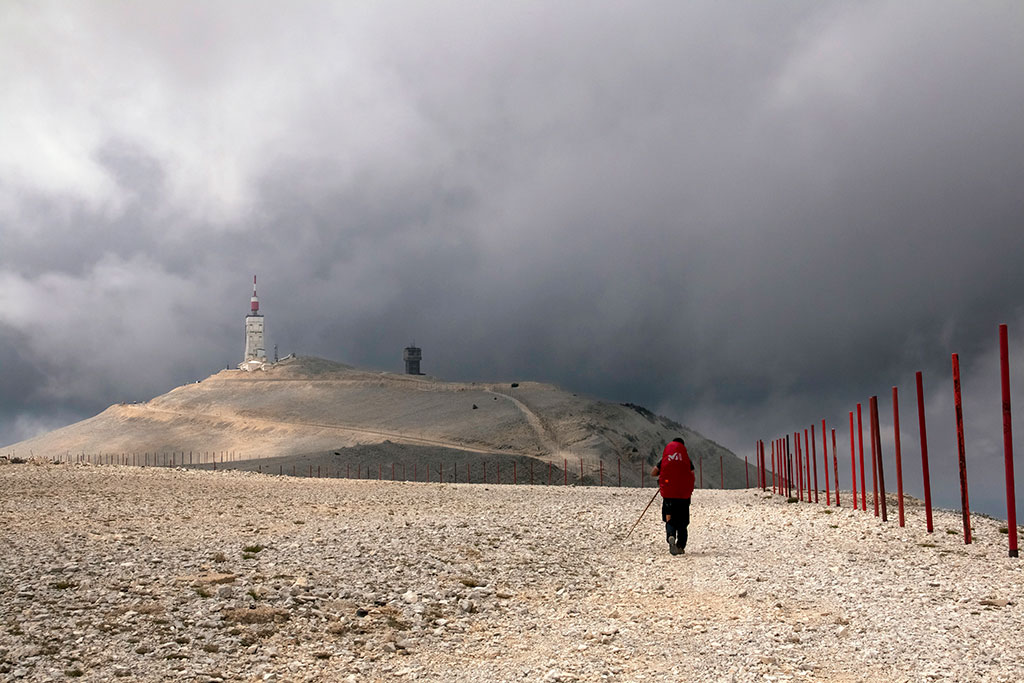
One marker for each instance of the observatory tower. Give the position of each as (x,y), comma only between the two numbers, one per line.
(412,357)
(255,351)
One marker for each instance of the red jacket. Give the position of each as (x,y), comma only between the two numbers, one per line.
(675,476)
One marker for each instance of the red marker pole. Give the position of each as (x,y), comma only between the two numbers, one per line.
(799,466)
(787,467)
(899,457)
(853,463)
(774,467)
(860,449)
(924,455)
(814,459)
(781,466)
(824,455)
(1011,503)
(835,465)
(780,460)
(700,466)
(872,405)
(788,470)
(764,469)
(565,470)
(746,469)
(721,469)
(876,448)
(964,503)
(807,463)
(805,485)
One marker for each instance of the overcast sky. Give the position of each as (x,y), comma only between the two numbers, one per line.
(745,216)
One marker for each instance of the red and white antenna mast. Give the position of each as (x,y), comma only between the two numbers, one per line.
(255,301)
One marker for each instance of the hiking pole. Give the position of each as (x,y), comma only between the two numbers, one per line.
(641,515)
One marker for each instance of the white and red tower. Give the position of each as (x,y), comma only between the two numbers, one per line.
(255,350)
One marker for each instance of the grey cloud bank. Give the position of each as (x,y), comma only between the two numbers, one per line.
(747,217)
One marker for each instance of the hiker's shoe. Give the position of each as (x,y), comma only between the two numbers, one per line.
(673,548)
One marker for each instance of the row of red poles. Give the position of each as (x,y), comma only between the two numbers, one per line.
(797,467)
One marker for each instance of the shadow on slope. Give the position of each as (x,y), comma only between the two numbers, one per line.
(405,462)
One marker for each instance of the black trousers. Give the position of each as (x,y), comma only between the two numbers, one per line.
(675,512)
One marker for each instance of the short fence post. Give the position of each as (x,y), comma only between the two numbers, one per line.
(531,472)
(721,471)
(549,473)
(620,471)
(746,470)
(515,478)
(964,503)
(700,466)
(565,471)
(602,472)
(1011,502)
(899,457)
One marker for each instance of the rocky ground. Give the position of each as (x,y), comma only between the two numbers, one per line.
(152,574)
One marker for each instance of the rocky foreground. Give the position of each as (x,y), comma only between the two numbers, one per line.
(153,574)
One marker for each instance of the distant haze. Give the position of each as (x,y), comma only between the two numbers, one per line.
(744,216)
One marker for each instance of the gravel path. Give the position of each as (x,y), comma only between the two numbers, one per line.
(152,574)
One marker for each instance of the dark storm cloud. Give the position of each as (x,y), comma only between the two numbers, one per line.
(748,217)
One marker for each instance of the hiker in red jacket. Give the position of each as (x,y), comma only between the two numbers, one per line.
(675,482)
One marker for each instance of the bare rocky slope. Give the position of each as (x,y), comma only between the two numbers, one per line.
(154,574)
(330,414)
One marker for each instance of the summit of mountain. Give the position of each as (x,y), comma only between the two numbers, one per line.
(304,405)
